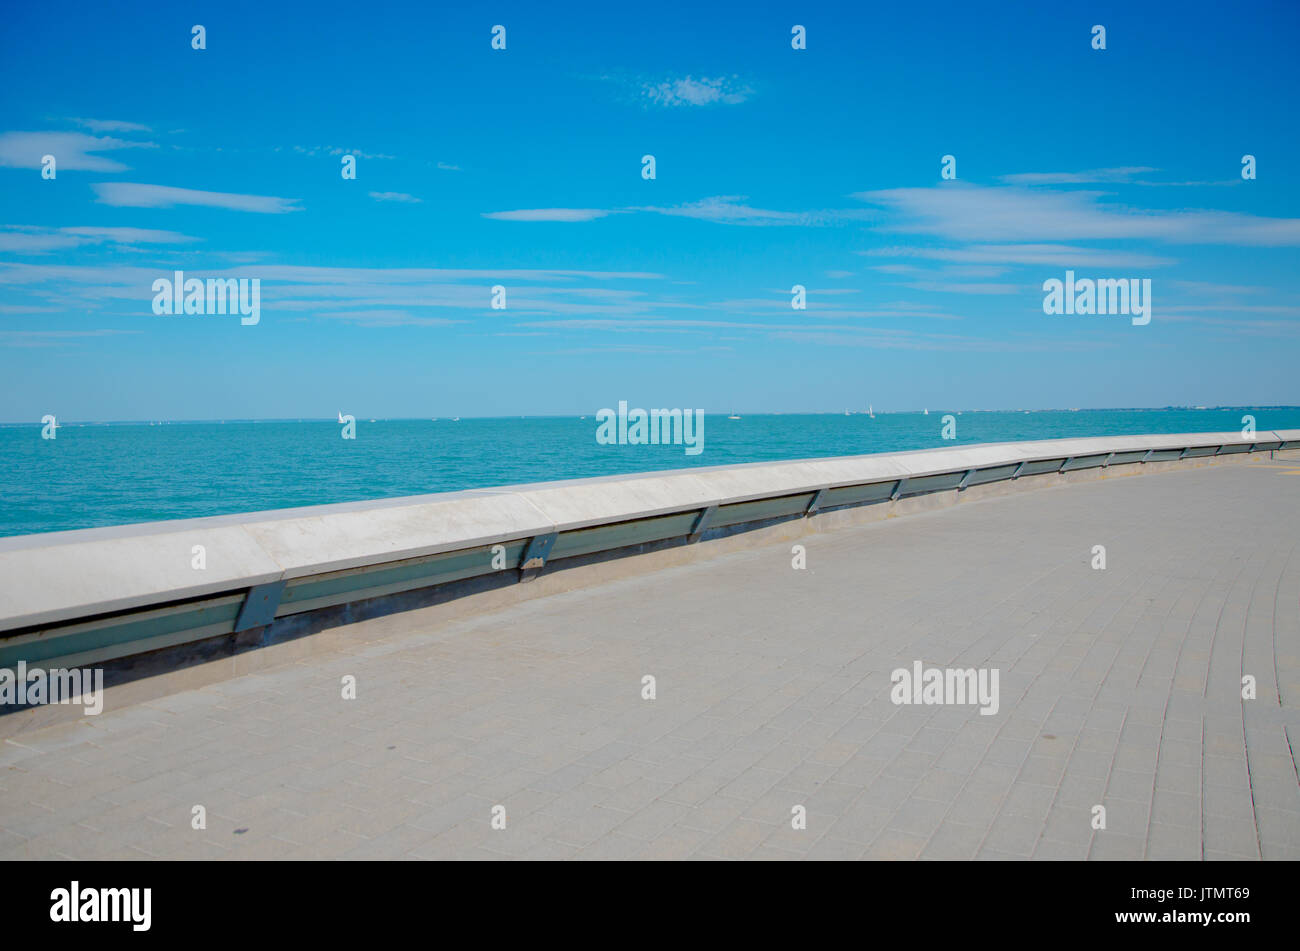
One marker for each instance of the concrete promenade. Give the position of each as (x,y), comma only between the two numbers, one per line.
(1119,687)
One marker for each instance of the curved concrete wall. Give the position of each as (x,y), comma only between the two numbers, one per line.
(51,583)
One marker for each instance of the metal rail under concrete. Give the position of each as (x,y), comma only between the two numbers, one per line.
(89,597)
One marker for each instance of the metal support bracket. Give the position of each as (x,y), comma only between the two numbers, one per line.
(1105,462)
(1016,474)
(1068,460)
(260,606)
(535,554)
(702,523)
(965,480)
(1148,455)
(898,489)
(816,502)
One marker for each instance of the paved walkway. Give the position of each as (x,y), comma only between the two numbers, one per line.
(1118,687)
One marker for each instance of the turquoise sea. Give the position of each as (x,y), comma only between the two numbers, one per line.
(95,474)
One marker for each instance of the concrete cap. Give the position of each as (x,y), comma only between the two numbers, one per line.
(47,578)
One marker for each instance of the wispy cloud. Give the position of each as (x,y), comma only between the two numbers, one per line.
(982,213)
(1237,326)
(1289,310)
(721,209)
(1096,175)
(819,306)
(111,125)
(388,318)
(1123,175)
(901,340)
(956,287)
(642,348)
(1207,289)
(368,296)
(27,309)
(730,209)
(26,239)
(831,335)
(1033,255)
(53,338)
(131,195)
(974,270)
(689,91)
(314,150)
(389,276)
(549,214)
(71,150)
(395,196)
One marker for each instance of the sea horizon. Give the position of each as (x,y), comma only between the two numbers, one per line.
(728,413)
(104,473)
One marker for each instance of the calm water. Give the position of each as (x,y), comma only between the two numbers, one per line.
(110,474)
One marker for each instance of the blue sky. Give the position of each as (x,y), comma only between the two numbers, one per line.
(522,167)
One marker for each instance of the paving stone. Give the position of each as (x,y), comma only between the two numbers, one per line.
(1119,688)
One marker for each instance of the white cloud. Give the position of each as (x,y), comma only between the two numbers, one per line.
(1034,255)
(372,296)
(52,338)
(387,318)
(25,239)
(549,214)
(779,303)
(131,195)
(968,288)
(71,150)
(314,150)
(1289,310)
(887,340)
(1238,326)
(395,196)
(96,276)
(131,235)
(389,276)
(974,270)
(987,213)
(1204,288)
(1122,174)
(111,125)
(722,209)
(689,91)
(832,335)
(730,209)
(27,309)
